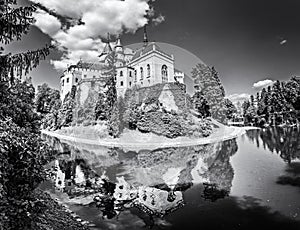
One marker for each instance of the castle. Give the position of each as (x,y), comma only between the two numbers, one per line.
(146,66)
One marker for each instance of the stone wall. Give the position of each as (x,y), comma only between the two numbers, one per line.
(159,92)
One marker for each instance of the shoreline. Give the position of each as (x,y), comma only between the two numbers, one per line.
(229,132)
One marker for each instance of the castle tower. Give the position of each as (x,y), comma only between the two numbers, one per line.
(107,48)
(119,46)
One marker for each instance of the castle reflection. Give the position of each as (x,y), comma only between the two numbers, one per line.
(153,181)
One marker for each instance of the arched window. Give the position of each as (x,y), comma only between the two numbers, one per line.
(164,73)
(142,73)
(121,73)
(148,70)
(135,75)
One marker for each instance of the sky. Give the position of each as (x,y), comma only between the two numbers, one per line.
(251,43)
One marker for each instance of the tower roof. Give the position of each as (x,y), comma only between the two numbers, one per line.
(150,47)
(119,46)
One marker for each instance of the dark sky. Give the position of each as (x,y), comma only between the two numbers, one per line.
(241,38)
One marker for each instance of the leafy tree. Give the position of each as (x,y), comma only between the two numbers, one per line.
(201,104)
(22,152)
(47,99)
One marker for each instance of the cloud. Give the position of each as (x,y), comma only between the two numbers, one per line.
(263,83)
(238,97)
(158,20)
(88,22)
(46,22)
(283,42)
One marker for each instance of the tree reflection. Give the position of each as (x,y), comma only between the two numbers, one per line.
(283,141)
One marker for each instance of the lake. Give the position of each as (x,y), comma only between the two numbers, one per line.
(249,182)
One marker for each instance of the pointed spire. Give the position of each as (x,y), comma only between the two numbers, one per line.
(145,36)
(119,46)
(107,48)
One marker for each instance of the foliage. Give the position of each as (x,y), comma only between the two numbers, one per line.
(231,110)
(208,83)
(201,104)
(111,93)
(275,105)
(131,116)
(100,108)
(47,99)
(14,22)
(65,114)
(48,104)
(17,103)
(23,153)
(114,122)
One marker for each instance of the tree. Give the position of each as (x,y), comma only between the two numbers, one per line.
(201,104)
(114,122)
(47,99)
(100,108)
(231,109)
(208,83)
(22,152)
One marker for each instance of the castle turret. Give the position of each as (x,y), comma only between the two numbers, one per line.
(119,46)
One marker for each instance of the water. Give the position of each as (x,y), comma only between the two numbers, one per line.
(249,182)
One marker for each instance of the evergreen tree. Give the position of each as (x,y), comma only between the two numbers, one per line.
(22,152)
(208,83)
(231,109)
(114,122)
(100,108)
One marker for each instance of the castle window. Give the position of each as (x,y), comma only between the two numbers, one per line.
(130,74)
(130,83)
(85,76)
(62,83)
(148,70)
(94,76)
(164,73)
(142,73)
(67,80)
(135,75)
(121,83)
(76,79)
(121,73)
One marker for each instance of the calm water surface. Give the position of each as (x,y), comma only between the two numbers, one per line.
(249,182)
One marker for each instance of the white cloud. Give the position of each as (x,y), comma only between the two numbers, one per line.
(263,83)
(98,17)
(238,97)
(46,22)
(283,42)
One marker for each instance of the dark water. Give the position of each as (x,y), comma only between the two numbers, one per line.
(245,183)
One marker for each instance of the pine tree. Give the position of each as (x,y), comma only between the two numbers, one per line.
(22,152)
(208,83)
(100,108)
